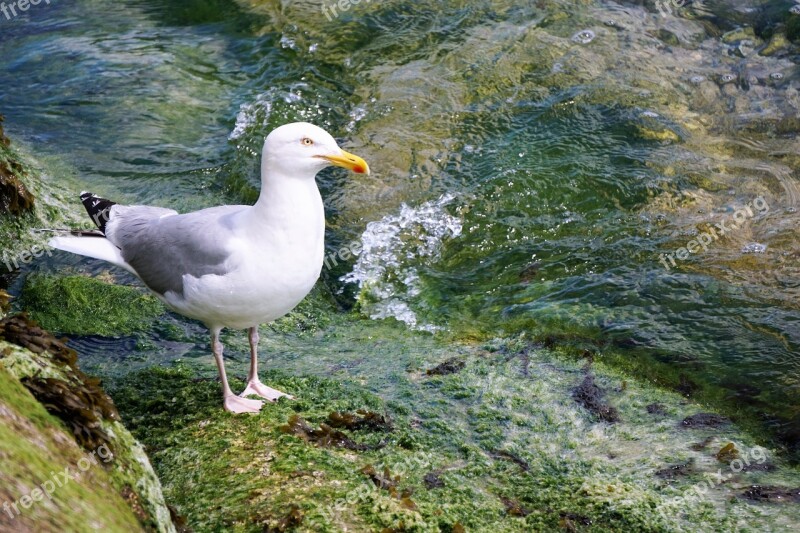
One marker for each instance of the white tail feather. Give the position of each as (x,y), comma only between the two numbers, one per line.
(95,247)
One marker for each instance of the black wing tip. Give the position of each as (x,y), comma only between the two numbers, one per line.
(99,209)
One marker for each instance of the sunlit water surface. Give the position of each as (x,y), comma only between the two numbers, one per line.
(531,162)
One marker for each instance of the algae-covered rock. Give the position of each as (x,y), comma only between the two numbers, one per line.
(778,43)
(81,305)
(68,463)
(15,198)
(30,199)
(497,446)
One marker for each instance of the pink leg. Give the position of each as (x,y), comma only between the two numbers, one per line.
(254,385)
(232,403)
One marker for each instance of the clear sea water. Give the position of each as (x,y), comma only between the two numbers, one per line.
(532,161)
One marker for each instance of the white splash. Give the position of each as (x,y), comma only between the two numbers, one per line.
(392,249)
(258,113)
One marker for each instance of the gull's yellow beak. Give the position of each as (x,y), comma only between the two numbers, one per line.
(348,161)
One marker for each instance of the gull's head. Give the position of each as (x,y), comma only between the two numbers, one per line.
(302,149)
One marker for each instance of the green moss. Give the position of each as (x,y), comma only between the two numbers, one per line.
(48,369)
(81,305)
(35,446)
(503,428)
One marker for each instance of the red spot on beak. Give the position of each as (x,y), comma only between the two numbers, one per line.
(358,169)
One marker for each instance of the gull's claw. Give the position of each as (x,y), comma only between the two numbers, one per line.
(235,404)
(256,388)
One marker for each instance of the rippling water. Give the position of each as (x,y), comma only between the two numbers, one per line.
(532,160)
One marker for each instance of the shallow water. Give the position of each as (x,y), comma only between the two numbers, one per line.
(531,162)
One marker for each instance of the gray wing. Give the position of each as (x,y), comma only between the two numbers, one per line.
(163,246)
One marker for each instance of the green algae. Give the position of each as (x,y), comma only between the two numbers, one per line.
(463,445)
(35,446)
(48,370)
(29,199)
(82,305)
(15,198)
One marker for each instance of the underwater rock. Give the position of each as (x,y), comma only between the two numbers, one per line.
(451,366)
(675,471)
(589,395)
(15,198)
(433,481)
(772,494)
(739,34)
(666,37)
(704,420)
(583,37)
(779,43)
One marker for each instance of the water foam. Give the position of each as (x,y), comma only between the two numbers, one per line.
(393,248)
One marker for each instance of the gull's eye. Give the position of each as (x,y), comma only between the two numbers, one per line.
(307,142)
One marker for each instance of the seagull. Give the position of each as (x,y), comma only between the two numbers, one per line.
(231,266)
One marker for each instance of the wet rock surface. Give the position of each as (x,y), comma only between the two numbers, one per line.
(15,198)
(592,397)
(704,420)
(451,366)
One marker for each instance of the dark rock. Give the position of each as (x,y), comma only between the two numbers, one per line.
(704,420)
(675,471)
(656,409)
(15,198)
(771,494)
(433,481)
(451,366)
(591,397)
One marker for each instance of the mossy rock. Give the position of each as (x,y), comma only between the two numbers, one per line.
(78,415)
(80,305)
(500,445)
(36,449)
(15,198)
(778,43)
